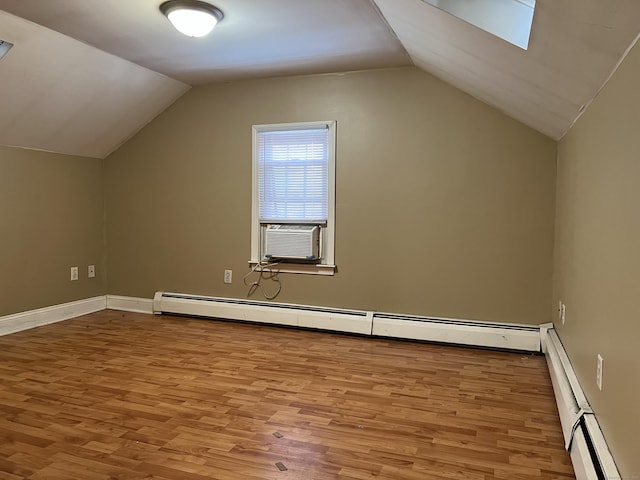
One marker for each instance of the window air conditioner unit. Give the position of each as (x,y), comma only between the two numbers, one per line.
(295,242)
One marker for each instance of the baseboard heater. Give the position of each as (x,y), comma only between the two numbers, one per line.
(589,452)
(460,332)
(493,335)
(350,321)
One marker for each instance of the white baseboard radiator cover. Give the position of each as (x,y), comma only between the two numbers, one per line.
(589,452)
(351,321)
(459,332)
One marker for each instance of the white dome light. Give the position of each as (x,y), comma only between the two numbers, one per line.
(192,17)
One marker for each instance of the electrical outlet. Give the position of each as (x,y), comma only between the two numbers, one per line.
(74,273)
(91,271)
(228,276)
(563,312)
(559,310)
(599,371)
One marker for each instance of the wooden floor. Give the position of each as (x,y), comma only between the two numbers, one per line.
(126,396)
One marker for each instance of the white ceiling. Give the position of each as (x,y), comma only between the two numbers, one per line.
(574,47)
(256,38)
(60,95)
(87,96)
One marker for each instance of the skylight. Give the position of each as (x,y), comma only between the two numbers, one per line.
(508,19)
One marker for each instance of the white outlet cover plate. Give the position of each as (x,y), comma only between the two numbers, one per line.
(599,372)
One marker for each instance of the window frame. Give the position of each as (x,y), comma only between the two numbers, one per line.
(326,265)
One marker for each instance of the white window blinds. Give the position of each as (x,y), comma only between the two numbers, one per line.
(293,168)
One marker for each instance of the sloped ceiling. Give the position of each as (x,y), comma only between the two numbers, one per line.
(90,74)
(574,47)
(63,96)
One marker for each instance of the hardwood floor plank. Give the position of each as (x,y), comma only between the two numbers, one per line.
(128,396)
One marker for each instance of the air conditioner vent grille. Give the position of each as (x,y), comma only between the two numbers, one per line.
(4,47)
(299,242)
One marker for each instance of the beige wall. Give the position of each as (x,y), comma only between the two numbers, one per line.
(597,265)
(444,205)
(51,218)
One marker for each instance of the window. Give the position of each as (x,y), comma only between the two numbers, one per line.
(510,20)
(294,192)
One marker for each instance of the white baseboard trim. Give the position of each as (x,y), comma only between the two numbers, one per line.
(130,304)
(44,316)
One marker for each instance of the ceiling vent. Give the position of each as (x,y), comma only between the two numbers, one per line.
(4,47)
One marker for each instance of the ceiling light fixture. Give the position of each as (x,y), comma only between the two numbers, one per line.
(192,17)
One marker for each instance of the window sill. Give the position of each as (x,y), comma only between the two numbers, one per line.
(296,268)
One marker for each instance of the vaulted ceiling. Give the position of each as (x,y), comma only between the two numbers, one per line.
(84,76)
